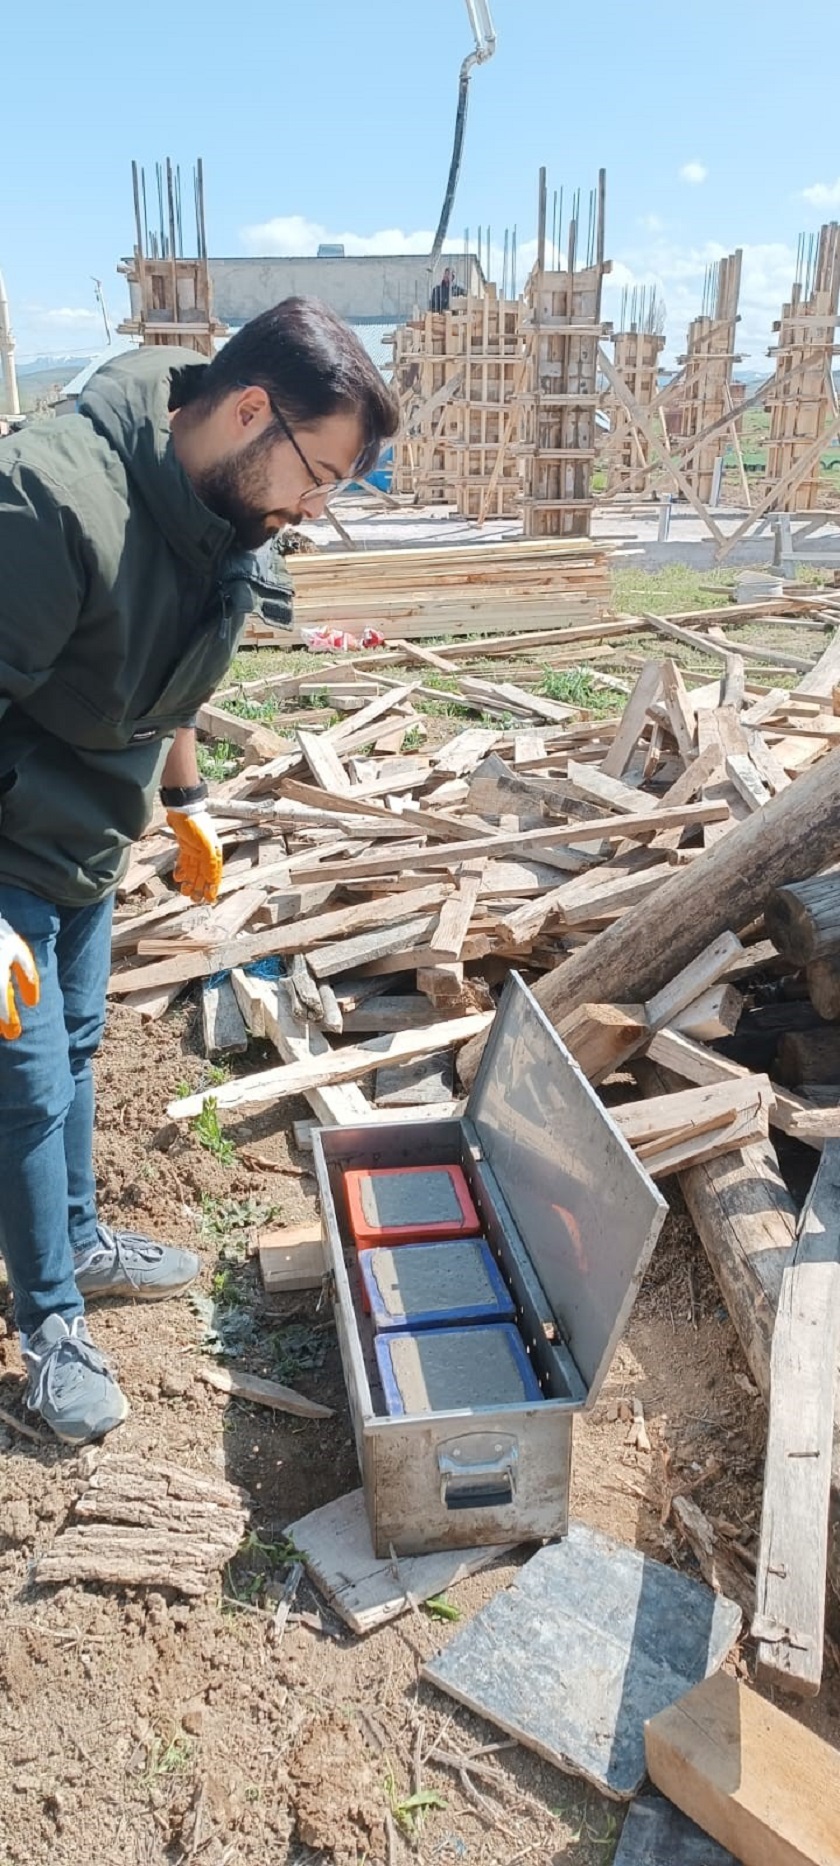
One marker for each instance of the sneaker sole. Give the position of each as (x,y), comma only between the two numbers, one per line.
(132,1294)
(92,1438)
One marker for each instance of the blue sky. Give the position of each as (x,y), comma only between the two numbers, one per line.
(334,119)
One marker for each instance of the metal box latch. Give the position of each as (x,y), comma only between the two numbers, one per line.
(478,1471)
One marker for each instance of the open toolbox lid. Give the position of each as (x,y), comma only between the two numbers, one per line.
(583,1204)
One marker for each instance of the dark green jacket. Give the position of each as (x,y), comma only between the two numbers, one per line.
(121,604)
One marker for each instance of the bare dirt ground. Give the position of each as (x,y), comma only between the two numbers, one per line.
(138,1730)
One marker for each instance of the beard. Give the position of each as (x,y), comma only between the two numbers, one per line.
(234,488)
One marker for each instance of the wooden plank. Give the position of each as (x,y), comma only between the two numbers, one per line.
(696,977)
(790,1582)
(455,916)
(758,1782)
(270,1085)
(750,786)
(337,1549)
(687,1058)
(223,1026)
(610,829)
(595,786)
(426,1081)
(602,1036)
(714,1013)
(268,1011)
(261,1392)
(647,689)
(680,709)
(323,761)
(303,936)
(695,1108)
(382,1014)
(346,954)
(436,1111)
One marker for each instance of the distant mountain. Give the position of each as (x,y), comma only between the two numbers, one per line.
(61,365)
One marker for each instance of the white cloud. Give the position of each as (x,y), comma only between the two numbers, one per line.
(293,236)
(678,273)
(694,173)
(823,193)
(64,314)
(50,330)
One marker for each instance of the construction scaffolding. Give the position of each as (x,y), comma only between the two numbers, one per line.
(458,373)
(638,346)
(171,296)
(708,363)
(802,416)
(563,328)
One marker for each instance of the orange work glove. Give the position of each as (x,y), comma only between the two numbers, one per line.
(198,870)
(18,972)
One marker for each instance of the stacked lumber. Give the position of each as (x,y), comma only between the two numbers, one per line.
(455,590)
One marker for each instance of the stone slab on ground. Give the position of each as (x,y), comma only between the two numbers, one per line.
(591,1639)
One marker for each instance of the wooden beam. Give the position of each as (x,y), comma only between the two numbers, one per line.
(758,1782)
(790,1584)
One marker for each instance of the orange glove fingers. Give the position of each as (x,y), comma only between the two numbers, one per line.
(10,1025)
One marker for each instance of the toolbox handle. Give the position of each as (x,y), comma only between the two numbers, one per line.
(478,1471)
(476,1497)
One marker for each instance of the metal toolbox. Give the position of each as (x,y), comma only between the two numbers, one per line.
(572,1218)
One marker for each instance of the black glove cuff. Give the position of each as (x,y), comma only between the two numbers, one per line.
(178,797)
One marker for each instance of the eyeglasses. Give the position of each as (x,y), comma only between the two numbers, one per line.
(322,486)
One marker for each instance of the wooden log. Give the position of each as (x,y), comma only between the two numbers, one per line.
(803,919)
(746,1221)
(727,886)
(790,1584)
(758,1782)
(808,1056)
(822,977)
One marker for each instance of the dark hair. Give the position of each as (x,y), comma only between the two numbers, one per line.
(310,362)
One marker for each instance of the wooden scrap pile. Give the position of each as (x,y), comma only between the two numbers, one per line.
(454,590)
(398,889)
(630,867)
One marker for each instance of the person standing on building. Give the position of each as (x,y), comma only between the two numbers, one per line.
(135,539)
(442,293)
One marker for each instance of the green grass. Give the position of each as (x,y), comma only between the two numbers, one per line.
(673,588)
(577,686)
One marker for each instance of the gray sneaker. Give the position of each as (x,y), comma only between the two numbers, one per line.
(71,1384)
(125,1263)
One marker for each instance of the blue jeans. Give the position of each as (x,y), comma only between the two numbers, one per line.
(47,1184)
